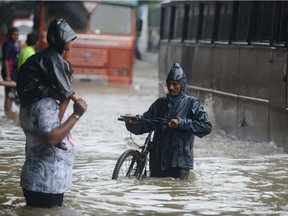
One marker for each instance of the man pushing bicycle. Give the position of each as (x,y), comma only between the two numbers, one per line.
(171,152)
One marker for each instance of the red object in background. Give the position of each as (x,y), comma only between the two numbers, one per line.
(106,37)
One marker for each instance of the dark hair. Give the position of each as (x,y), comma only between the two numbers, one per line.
(11,30)
(32,39)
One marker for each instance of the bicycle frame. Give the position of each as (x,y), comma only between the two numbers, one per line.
(145,153)
(138,163)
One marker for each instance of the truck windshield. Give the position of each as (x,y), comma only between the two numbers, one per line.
(111,19)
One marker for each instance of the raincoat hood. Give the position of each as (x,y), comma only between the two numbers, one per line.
(59,33)
(177,74)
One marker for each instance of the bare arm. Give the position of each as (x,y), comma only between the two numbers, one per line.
(58,134)
(7,75)
(8,84)
(62,107)
(64,102)
(74,98)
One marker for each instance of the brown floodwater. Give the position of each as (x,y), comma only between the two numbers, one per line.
(231,177)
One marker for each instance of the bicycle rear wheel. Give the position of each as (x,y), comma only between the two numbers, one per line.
(128,165)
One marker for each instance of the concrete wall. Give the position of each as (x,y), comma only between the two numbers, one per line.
(245,84)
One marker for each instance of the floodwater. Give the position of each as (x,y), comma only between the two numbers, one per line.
(231,177)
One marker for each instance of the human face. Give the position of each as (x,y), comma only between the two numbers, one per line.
(174,88)
(68,45)
(15,36)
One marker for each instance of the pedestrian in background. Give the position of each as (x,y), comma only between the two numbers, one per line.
(10,51)
(30,49)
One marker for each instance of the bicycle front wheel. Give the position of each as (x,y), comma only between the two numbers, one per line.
(129,165)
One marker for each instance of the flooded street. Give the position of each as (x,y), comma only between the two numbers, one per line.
(231,177)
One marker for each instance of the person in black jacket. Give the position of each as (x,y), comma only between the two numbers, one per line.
(171,152)
(44,74)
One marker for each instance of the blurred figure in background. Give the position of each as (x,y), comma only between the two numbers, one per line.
(139,29)
(10,51)
(32,42)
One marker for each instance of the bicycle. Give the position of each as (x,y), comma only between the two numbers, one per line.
(133,163)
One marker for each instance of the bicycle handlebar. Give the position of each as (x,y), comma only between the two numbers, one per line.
(139,118)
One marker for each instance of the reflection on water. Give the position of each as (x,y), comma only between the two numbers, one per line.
(231,177)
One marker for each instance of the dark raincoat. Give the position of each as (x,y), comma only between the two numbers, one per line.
(43,74)
(174,147)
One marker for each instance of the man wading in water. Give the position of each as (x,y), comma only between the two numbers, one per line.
(171,153)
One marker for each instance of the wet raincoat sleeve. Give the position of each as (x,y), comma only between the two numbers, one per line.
(156,110)
(199,123)
(58,77)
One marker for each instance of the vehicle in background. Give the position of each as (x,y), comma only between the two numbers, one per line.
(235,57)
(106,36)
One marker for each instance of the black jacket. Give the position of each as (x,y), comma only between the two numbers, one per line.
(174,147)
(43,74)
